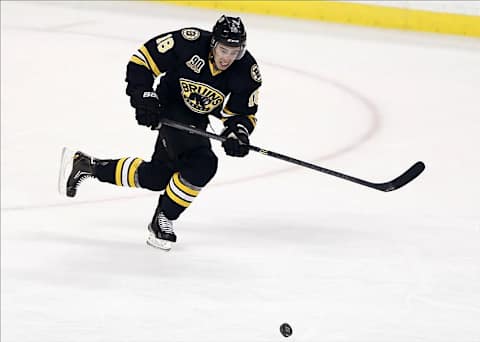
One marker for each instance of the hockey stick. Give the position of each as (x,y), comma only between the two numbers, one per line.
(413,172)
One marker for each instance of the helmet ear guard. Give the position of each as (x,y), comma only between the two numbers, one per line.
(231,32)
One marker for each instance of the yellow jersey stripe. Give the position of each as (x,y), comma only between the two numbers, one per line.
(213,69)
(228,111)
(118,171)
(175,198)
(183,187)
(150,60)
(138,61)
(131,173)
(253,120)
(250,117)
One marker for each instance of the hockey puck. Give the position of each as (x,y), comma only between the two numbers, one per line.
(286,329)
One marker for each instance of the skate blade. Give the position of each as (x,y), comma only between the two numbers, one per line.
(158,243)
(66,165)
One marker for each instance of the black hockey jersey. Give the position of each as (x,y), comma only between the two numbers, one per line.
(190,86)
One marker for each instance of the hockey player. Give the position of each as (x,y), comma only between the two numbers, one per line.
(202,74)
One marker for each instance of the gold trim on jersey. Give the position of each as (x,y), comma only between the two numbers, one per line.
(137,60)
(150,61)
(229,114)
(228,111)
(252,119)
(213,68)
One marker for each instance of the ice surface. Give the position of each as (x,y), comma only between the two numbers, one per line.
(266,242)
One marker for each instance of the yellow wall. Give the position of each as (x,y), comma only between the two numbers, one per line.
(352,13)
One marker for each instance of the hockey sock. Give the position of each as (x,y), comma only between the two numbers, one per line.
(179,194)
(121,172)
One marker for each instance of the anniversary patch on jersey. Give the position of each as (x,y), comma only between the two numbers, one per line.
(255,72)
(199,97)
(190,34)
(195,63)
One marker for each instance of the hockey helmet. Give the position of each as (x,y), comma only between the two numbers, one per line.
(231,32)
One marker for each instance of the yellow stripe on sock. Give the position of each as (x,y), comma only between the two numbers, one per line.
(175,198)
(118,171)
(131,173)
(183,187)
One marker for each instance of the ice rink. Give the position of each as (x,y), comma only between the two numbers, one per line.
(266,242)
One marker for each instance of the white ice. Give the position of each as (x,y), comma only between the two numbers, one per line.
(266,242)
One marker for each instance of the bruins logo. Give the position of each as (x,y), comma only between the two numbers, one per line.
(255,73)
(190,34)
(200,97)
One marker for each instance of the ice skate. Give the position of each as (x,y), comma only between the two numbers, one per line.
(161,233)
(74,168)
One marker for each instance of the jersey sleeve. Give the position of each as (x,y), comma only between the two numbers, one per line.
(242,104)
(153,58)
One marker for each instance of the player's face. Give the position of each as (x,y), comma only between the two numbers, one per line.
(224,56)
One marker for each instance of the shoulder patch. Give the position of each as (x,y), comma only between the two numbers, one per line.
(255,73)
(190,34)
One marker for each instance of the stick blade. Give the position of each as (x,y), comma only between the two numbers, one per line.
(413,172)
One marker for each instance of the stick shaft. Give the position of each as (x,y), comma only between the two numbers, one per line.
(398,182)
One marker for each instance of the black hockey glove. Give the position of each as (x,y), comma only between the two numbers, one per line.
(148,110)
(237,140)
